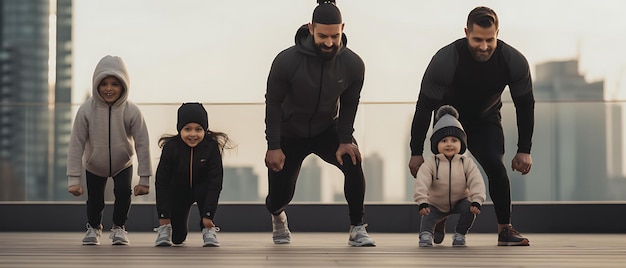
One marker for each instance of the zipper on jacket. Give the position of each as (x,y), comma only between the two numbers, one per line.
(450,183)
(110,158)
(319,96)
(191,169)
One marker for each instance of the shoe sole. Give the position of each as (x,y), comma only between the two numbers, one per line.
(438,237)
(524,242)
(356,244)
(91,243)
(440,231)
(163,244)
(210,245)
(120,243)
(280,242)
(425,246)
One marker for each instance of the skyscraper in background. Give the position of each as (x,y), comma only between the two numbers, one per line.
(27,110)
(309,185)
(373,167)
(62,98)
(578,152)
(240,184)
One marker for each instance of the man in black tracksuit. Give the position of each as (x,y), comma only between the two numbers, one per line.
(471,74)
(313,91)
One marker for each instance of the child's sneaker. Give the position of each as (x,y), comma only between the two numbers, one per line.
(458,240)
(280,229)
(426,239)
(164,236)
(359,237)
(92,237)
(511,237)
(440,231)
(209,235)
(118,235)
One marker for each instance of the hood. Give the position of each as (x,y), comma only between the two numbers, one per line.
(111,66)
(306,45)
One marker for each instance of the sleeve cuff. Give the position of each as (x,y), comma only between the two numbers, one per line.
(73,181)
(144,180)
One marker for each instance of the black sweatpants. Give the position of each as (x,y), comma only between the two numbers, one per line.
(95,197)
(282,184)
(485,140)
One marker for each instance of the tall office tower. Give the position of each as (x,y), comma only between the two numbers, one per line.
(309,186)
(240,184)
(62,100)
(577,150)
(560,80)
(615,146)
(373,168)
(24,96)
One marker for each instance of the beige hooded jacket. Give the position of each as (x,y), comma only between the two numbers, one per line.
(442,183)
(103,135)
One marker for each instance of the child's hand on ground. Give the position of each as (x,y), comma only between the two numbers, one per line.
(76,190)
(141,189)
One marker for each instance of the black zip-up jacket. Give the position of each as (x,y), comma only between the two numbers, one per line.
(306,95)
(185,171)
(475,88)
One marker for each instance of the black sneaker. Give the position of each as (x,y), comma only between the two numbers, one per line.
(440,231)
(511,237)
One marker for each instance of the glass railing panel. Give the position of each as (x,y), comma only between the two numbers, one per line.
(578,153)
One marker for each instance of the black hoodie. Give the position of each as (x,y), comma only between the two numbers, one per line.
(304,92)
(188,173)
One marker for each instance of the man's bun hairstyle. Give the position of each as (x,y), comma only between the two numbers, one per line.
(326,12)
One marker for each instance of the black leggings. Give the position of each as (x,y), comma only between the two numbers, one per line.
(282,184)
(485,140)
(95,197)
(181,202)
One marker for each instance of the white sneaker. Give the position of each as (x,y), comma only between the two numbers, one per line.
(92,237)
(458,240)
(118,235)
(209,235)
(359,237)
(426,239)
(164,236)
(280,229)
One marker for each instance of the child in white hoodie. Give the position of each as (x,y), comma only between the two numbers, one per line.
(105,129)
(449,182)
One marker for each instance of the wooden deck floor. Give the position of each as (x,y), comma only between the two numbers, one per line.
(45,249)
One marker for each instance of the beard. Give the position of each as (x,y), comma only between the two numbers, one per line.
(480,56)
(326,55)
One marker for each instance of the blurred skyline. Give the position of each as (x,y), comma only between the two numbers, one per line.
(221,51)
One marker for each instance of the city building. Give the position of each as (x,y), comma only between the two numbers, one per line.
(27,110)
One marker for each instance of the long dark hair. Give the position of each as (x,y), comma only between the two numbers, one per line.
(222,139)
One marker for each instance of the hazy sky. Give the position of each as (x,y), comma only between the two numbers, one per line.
(221,51)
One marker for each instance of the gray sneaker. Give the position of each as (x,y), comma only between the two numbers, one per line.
(359,237)
(92,237)
(118,235)
(426,239)
(164,236)
(280,229)
(458,240)
(209,235)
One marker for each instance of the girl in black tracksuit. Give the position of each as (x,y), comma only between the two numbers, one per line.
(190,170)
